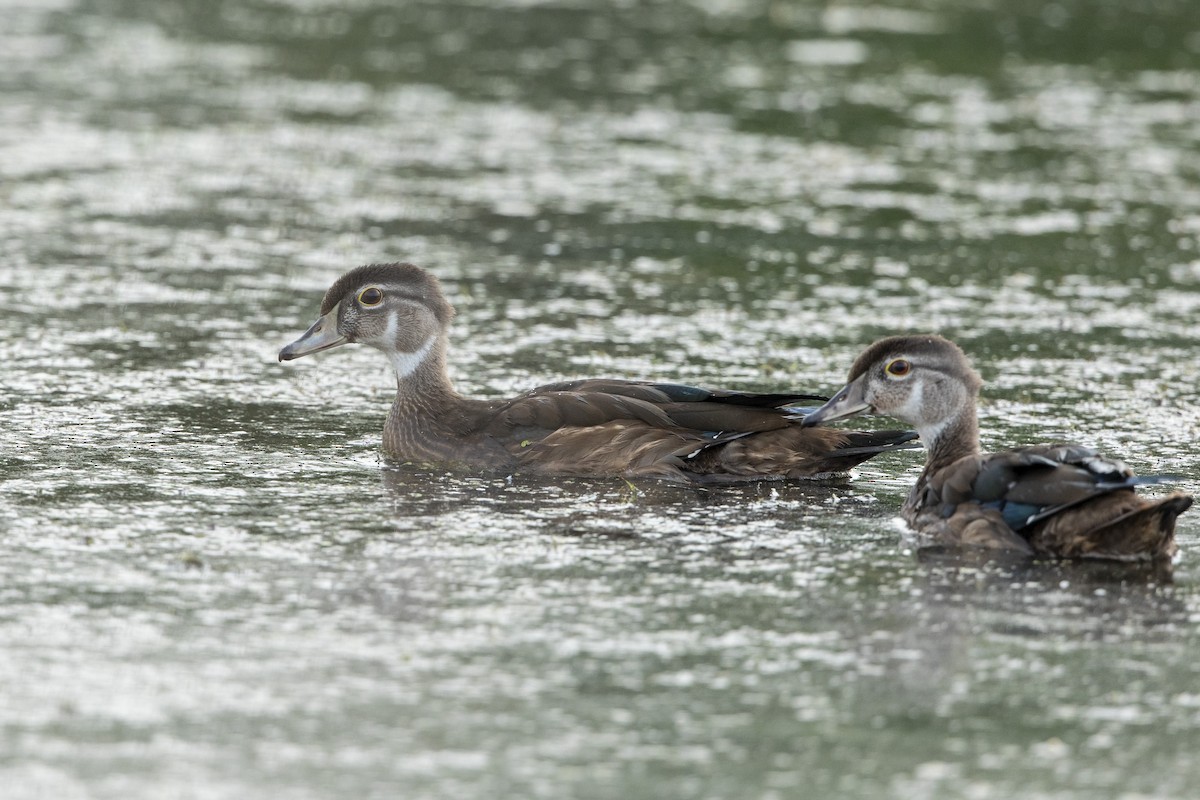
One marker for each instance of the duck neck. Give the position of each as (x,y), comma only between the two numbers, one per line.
(423,385)
(952,439)
(427,412)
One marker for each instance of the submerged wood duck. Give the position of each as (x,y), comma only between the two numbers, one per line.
(580,428)
(1057,500)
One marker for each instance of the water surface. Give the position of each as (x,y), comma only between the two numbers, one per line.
(213,588)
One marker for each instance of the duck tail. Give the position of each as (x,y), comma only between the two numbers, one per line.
(871,443)
(859,446)
(1145,532)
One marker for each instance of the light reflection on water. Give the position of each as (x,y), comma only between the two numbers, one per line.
(214,588)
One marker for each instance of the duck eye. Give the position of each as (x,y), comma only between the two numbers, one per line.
(371,296)
(898,367)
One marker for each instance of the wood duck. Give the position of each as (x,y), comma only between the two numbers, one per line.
(581,428)
(1057,500)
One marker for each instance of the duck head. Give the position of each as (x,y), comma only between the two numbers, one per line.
(396,308)
(925,381)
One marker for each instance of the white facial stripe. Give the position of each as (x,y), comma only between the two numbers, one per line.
(911,410)
(406,363)
(393,325)
(913,413)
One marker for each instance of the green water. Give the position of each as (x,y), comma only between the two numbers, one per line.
(211,587)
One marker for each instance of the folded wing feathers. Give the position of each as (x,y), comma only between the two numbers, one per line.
(1077,475)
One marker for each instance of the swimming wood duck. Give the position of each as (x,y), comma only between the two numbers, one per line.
(585,427)
(1057,500)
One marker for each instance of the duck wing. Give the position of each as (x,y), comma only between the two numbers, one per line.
(697,414)
(1065,500)
(654,392)
(672,431)
(1031,484)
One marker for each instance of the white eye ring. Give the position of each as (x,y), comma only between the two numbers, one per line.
(898,368)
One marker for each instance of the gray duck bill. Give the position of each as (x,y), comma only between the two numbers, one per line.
(849,401)
(322,335)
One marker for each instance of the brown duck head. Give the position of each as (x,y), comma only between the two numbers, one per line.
(396,308)
(923,380)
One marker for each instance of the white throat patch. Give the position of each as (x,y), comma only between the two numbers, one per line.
(406,363)
(910,412)
(931,433)
(914,413)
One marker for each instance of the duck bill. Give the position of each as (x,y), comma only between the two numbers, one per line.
(850,400)
(323,335)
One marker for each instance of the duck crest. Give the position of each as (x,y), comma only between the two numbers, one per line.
(423,285)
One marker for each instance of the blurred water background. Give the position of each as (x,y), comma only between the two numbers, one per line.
(211,587)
